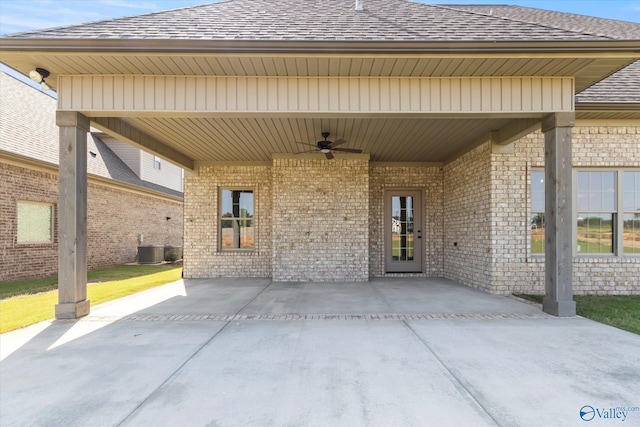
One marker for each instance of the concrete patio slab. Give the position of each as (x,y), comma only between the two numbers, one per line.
(408,352)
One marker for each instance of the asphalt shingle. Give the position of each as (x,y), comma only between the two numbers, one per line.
(325,20)
(621,87)
(28,128)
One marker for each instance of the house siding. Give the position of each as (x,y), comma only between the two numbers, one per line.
(115,219)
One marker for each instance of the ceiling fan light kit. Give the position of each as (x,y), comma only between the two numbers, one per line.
(328,147)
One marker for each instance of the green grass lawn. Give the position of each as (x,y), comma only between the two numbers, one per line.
(25,302)
(620,311)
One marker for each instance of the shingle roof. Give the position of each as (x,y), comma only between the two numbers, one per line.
(337,20)
(621,87)
(610,28)
(28,128)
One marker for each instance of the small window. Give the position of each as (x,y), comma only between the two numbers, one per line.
(236,220)
(157,162)
(536,222)
(35,222)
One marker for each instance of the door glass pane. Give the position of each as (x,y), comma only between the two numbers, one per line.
(402,228)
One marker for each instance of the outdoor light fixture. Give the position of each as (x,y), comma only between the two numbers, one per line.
(38,75)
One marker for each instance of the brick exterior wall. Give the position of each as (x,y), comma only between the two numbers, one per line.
(115,218)
(202,257)
(467,220)
(430,181)
(21,261)
(514,269)
(320,219)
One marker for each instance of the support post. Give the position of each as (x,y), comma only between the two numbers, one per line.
(72,216)
(559,217)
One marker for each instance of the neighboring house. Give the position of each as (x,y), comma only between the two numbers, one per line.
(456,109)
(122,208)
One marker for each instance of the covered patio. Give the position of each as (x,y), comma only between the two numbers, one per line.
(428,112)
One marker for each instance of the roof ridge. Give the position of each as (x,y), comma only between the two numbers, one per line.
(512,19)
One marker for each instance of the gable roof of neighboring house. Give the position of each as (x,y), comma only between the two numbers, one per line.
(28,129)
(321,20)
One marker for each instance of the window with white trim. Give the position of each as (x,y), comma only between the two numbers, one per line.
(157,163)
(35,222)
(237,231)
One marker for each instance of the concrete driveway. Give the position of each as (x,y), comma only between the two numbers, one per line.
(249,352)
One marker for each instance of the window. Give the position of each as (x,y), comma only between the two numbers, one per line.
(157,162)
(607,212)
(35,222)
(596,211)
(536,222)
(631,213)
(236,220)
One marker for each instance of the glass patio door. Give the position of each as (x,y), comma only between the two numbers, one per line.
(403,231)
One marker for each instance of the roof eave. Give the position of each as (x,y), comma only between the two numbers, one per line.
(71,45)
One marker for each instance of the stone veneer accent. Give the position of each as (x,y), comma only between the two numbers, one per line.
(514,269)
(320,218)
(429,179)
(467,220)
(202,257)
(115,218)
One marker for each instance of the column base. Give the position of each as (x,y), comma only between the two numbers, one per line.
(72,310)
(559,308)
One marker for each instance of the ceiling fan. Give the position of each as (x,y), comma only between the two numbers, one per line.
(328,147)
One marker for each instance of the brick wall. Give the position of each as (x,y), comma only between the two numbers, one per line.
(115,218)
(430,181)
(26,260)
(468,219)
(514,269)
(320,219)
(201,255)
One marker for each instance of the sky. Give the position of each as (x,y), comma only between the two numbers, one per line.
(24,15)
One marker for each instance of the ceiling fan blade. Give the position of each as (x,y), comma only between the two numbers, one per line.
(329,155)
(304,143)
(348,150)
(337,142)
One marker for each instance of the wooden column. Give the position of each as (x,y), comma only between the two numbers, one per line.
(72,216)
(559,215)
